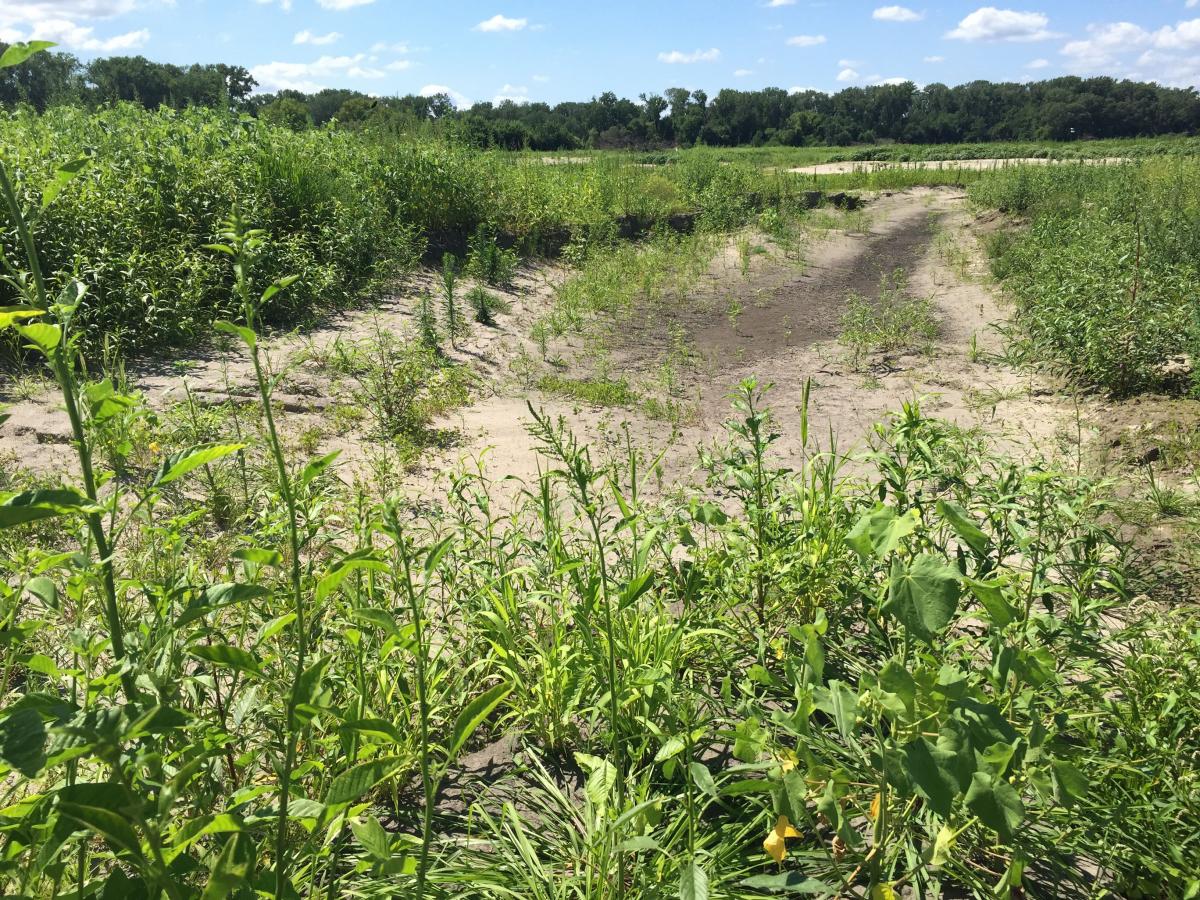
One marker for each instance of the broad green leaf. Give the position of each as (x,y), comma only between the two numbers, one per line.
(601,780)
(1072,784)
(338,572)
(693,882)
(258,556)
(63,177)
(32,506)
(964,526)
(943,847)
(44,589)
(997,804)
(23,742)
(9,315)
(474,714)
(217,596)
(671,748)
(898,688)
(880,531)
(317,466)
(929,770)
(923,596)
(41,335)
(19,51)
(231,869)
(281,284)
(108,823)
(217,823)
(380,618)
(703,779)
(840,702)
(310,695)
(788,883)
(179,464)
(228,656)
(372,837)
(351,785)
(990,595)
(377,728)
(249,338)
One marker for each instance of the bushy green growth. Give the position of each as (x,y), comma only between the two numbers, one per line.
(455,322)
(486,305)
(593,391)
(1104,274)
(427,323)
(487,261)
(893,321)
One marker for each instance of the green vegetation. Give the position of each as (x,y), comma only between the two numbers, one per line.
(229,673)
(894,321)
(1104,273)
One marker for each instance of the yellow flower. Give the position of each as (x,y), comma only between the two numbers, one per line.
(875,808)
(787,761)
(883,892)
(776,841)
(155,448)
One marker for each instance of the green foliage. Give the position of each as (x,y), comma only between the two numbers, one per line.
(895,321)
(1105,270)
(487,262)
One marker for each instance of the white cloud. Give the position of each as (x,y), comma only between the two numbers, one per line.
(935,59)
(400,65)
(1167,55)
(775,4)
(804,90)
(319,40)
(340,5)
(897,14)
(312,76)
(512,93)
(285,5)
(76,37)
(990,24)
(385,47)
(33,10)
(541,79)
(849,63)
(896,79)
(806,40)
(847,75)
(460,100)
(742,73)
(678,57)
(1037,64)
(1192,3)
(499,23)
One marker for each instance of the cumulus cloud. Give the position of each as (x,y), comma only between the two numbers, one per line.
(805,90)
(313,76)
(460,100)
(499,23)
(76,37)
(512,93)
(400,65)
(990,24)
(847,75)
(806,40)
(339,5)
(678,57)
(897,14)
(319,40)
(775,4)
(1168,54)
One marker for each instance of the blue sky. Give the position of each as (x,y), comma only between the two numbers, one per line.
(553,51)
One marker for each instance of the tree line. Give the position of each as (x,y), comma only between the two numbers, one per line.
(1057,109)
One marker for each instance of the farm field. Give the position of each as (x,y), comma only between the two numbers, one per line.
(397,519)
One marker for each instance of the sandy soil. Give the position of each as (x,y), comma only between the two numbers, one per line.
(785,334)
(972,165)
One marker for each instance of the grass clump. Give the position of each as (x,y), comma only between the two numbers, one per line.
(592,391)
(892,322)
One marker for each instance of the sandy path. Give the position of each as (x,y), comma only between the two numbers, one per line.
(785,334)
(791,337)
